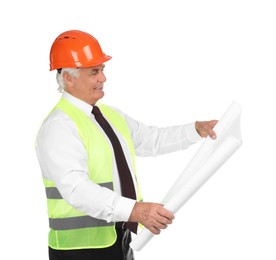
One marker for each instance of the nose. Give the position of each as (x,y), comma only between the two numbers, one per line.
(102,77)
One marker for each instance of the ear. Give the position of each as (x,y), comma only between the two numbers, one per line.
(68,80)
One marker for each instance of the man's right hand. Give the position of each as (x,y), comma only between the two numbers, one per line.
(151,215)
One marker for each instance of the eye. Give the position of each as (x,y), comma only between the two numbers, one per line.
(94,72)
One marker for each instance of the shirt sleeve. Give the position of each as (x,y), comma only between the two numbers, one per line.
(63,159)
(152,140)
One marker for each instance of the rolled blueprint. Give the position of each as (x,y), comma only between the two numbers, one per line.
(211,155)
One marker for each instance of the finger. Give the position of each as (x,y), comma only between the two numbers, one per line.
(166,214)
(212,134)
(162,222)
(211,131)
(154,230)
(161,225)
(213,122)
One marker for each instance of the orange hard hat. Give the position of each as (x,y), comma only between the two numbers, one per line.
(76,49)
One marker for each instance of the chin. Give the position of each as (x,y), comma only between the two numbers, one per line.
(99,97)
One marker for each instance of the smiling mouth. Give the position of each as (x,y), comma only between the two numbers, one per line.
(100,88)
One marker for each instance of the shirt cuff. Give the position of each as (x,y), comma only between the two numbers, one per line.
(192,134)
(123,209)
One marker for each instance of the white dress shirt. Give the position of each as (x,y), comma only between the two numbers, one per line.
(63,159)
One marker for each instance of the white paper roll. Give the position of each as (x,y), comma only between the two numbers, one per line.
(210,156)
(228,125)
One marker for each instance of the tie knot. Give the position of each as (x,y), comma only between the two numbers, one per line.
(96,110)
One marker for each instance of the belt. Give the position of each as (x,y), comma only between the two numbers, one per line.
(121,225)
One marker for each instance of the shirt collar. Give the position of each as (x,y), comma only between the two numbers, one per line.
(80,104)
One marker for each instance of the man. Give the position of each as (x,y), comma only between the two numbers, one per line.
(83,147)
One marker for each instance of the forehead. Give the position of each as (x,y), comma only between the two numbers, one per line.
(98,67)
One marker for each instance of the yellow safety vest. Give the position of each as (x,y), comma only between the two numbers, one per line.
(69,227)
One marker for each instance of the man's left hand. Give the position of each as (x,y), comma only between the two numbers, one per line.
(205,128)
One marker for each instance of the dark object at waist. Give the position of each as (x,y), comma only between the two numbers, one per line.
(121,225)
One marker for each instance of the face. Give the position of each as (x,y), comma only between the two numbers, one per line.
(88,86)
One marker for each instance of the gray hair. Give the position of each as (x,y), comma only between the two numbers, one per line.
(74,72)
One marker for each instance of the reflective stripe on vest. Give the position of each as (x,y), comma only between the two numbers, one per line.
(77,222)
(53,193)
(70,228)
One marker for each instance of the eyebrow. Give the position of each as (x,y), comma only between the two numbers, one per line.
(97,68)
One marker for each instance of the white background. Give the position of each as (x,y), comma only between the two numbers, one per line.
(173,62)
